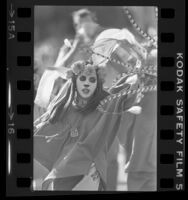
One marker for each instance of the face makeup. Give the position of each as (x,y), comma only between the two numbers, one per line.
(86,83)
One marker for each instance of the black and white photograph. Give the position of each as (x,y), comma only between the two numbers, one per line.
(95,98)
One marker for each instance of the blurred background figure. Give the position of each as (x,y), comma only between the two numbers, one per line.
(44,53)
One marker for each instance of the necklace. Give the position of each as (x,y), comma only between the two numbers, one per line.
(79,102)
(74,132)
(74,122)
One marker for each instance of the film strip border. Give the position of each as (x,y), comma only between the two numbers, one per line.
(170,147)
(170,101)
(20,97)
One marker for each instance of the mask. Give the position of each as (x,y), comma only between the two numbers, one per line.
(86,84)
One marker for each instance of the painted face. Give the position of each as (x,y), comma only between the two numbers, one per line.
(86,83)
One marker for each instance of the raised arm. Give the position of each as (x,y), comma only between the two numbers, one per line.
(67,55)
(123,95)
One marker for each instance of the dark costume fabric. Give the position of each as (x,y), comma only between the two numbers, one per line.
(142,166)
(69,147)
(144,129)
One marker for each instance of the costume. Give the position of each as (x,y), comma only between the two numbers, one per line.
(109,46)
(69,147)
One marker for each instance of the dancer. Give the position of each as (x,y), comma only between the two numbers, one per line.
(54,78)
(77,131)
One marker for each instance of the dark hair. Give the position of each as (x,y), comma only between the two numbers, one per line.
(79,14)
(97,96)
(64,101)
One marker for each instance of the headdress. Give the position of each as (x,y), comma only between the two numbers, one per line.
(80,66)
